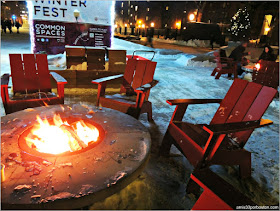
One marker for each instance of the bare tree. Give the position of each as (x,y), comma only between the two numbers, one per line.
(200,5)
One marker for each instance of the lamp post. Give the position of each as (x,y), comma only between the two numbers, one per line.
(76,14)
(191,17)
(125,29)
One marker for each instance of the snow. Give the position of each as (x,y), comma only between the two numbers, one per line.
(191,43)
(162,183)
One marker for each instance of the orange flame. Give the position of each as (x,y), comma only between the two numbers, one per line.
(258,66)
(61,136)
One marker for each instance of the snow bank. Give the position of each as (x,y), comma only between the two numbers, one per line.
(190,43)
(57,61)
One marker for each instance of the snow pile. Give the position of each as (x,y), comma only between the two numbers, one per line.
(57,61)
(190,43)
(206,63)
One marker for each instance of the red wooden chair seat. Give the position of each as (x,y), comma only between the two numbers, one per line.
(222,141)
(224,64)
(217,193)
(137,81)
(31,83)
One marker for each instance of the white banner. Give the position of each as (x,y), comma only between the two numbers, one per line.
(93,12)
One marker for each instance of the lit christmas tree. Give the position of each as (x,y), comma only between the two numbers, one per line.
(240,24)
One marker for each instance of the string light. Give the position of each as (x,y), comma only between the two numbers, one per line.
(240,23)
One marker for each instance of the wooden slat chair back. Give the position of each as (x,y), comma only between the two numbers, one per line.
(137,81)
(137,73)
(224,65)
(222,141)
(31,83)
(243,102)
(117,60)
(94,56)
(74,56)
(268,74)
(30,73)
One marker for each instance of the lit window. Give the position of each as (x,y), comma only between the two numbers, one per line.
(147,18)
(185,11)
(122,4)
(131,6)
(130,15)
(122,12)
(166,8)
(136,8)
(148,9)
(135,17)
(165,25)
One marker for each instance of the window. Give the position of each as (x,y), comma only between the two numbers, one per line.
(185,11)
(122,12)
(122,4)
(131,6)
(130,15)
(147,18)
(135,17)
(136,8)
(166,8)
(148,9)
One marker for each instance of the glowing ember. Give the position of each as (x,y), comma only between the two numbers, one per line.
(257,66)
(61,136)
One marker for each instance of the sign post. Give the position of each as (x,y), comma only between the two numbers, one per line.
(54,24)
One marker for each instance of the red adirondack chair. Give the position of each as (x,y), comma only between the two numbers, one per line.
(225,65)
(268,74)
(31,83)
(135,88)
(223,140)
(217,193)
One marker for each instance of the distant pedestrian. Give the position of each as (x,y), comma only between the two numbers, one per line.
(238,56)
(267,54)
(9,25)
(166,33)
(150,35)
(4,25)
(212,40)
(17,25)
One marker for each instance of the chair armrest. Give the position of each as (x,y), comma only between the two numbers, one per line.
(146,87)
(226,59)
(236,126)
(106,79)
(5,79)
(58,78)
(193,101)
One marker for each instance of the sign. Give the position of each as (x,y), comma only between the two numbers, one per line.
(54,25)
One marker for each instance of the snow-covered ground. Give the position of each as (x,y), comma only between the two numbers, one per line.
(162,183)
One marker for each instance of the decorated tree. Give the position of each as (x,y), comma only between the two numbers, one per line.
(240,24)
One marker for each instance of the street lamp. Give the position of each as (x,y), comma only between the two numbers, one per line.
(76,14)
(152,24)
(267,29)
(191,17)
(178,24)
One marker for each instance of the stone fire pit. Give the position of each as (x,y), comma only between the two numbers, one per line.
(35,180)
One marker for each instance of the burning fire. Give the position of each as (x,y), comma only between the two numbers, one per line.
(61,136)
(258,66)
